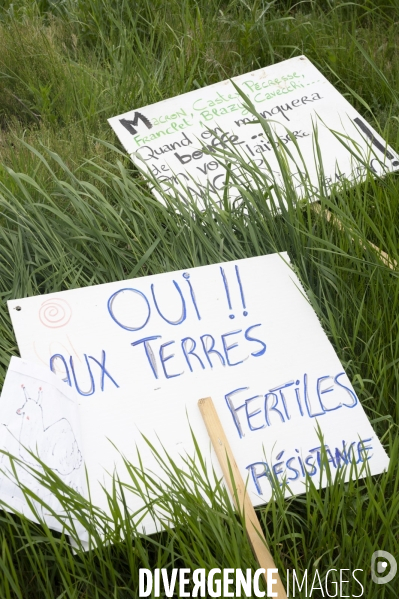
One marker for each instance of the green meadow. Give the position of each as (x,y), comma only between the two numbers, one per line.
(74,211)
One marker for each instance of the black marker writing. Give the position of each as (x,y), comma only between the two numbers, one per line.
(131,124)
(375,141)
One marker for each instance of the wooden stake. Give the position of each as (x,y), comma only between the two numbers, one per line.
(237,489)
(330,217)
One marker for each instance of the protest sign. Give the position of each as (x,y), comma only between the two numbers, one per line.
(324,140)
(141,353)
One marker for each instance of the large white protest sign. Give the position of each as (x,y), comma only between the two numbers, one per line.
(141,353)
(180,141)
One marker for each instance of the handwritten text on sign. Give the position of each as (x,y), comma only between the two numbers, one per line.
(179,141)
(140,354)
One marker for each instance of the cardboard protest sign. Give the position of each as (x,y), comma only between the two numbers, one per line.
(39,417)
(180,141)
(141,353)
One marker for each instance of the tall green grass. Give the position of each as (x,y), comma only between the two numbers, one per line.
(74,212)
(116,230)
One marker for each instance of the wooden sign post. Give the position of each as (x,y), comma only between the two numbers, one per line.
(334,220)
(238,490)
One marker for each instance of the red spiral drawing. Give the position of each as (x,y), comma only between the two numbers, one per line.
(55,313)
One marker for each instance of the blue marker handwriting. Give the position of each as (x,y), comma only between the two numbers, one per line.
(150,303)
(91,382)
(132,309)
(304,397)
(172,358)
(291,466)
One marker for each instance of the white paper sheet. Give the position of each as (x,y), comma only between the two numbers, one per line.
(39,416)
